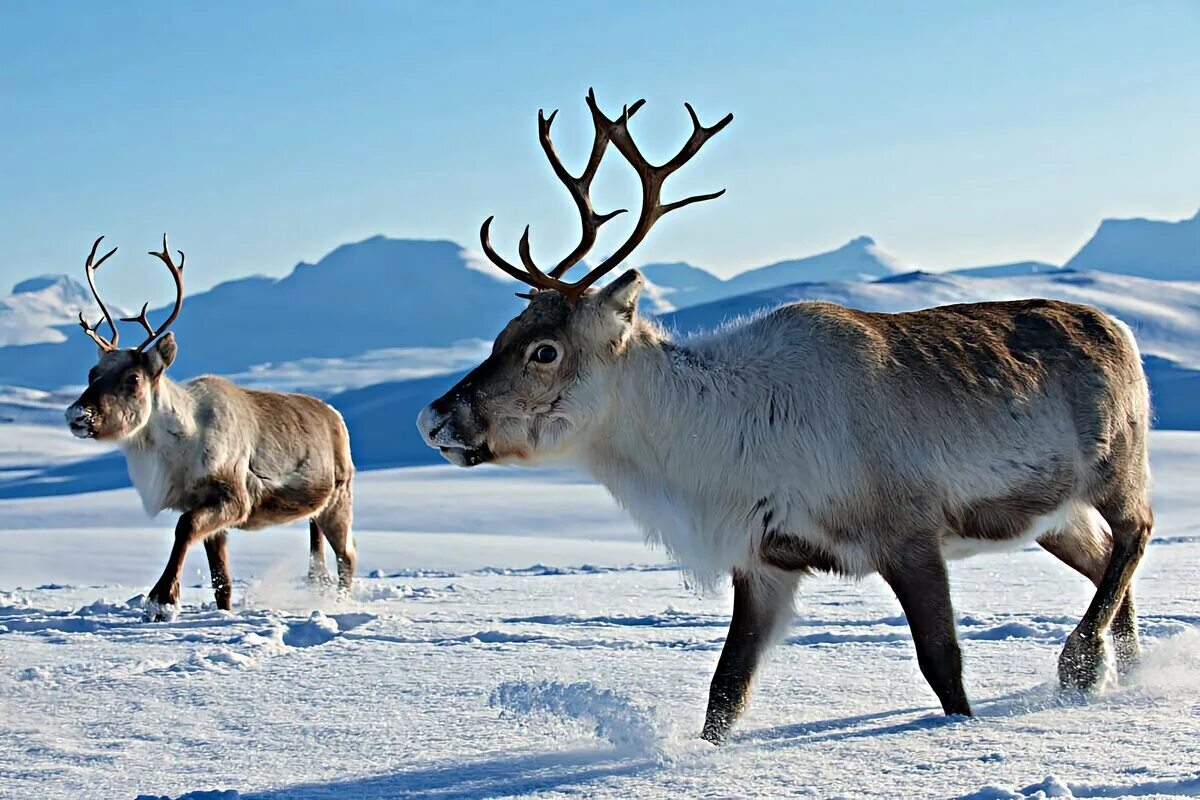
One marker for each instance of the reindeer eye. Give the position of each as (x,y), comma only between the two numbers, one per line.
(132,379)
(544,354)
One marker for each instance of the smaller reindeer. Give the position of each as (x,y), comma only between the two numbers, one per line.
(223,456)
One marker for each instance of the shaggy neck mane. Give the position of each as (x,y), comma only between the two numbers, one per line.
(659,391)
(684,420)
(171,415)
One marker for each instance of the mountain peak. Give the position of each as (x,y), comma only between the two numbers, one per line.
(42,282)
(1165,250)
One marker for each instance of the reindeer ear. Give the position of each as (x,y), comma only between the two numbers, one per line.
(159,357)
(622,294)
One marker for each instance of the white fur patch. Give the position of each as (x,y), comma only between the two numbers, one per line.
(955,547)
(150,478)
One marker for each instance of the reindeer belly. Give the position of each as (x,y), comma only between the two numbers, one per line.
(1001,529)
(279,503)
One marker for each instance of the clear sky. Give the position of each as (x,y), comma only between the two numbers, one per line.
(261,134)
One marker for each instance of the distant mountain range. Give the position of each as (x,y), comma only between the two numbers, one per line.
(382,293)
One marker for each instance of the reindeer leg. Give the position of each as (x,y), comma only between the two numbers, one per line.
(335,521)
(218,568)
(222,508)
(1082,661)
(919,579)
(1087,548)
(318,573)
(762,603)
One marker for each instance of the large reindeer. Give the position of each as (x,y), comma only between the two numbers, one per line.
(820,438)
(224,456)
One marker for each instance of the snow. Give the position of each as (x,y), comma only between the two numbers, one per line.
(327,376)
(509,635)
(39,308)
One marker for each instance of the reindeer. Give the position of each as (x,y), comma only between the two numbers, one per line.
(817,438)
(223,456)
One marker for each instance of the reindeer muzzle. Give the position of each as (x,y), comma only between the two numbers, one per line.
(455,434)
(81,420)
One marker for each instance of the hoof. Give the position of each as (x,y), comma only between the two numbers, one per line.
(154,611)
(320,580)
(715,734)
(1129,653)
(1085,664)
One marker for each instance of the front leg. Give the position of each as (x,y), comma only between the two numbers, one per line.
(762,604)
(218,568)
(223,507)
(918,577)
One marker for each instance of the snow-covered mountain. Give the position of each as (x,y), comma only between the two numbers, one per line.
(860,259)
(38,308)
(679,285)
(682,285)
(371,295)
(1146,247)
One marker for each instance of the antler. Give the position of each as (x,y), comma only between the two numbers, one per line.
(89,269)
(177,274)
(652,178)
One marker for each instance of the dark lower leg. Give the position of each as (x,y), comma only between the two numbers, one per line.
(334,522)
(1082,661)
(218,568)
(1125,633)
(166,590)
(760,605)
(224,509)
(1088,550)
(318,573)
(922,586)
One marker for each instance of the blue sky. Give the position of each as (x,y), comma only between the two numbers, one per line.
(261,134)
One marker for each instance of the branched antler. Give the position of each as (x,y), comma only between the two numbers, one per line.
(651,177)
(89,268)
(176,273)
(152,333)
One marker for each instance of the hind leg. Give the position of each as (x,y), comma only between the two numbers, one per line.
(318,573)
(1125,634)
(1085,545)
(335,521)
(1082,661)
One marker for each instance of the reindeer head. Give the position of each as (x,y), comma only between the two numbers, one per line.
(119,397)
(551,369)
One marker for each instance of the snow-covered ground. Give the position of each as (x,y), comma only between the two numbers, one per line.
(511,636)
(326,376)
